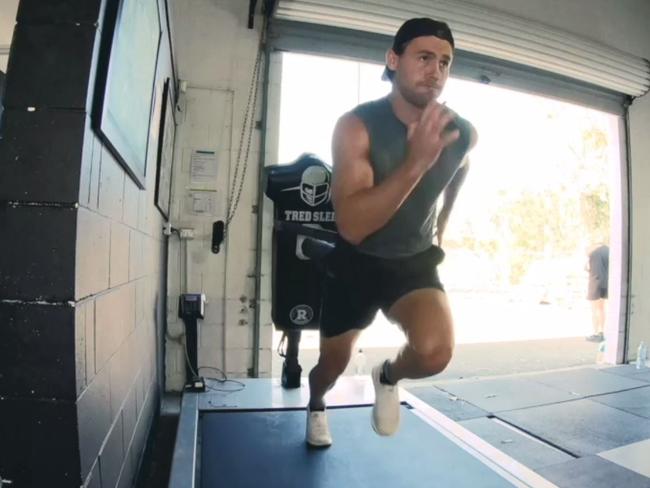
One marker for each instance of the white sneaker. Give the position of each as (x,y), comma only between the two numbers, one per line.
(318,430)
(386,410)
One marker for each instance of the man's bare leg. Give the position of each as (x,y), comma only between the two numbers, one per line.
(597,319)
(334,356)
(598,316)
(425,317)
(335,353)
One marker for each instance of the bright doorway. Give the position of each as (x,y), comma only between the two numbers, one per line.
(543,188)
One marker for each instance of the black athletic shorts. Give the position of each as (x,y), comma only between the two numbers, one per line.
(597,290)
(357,285)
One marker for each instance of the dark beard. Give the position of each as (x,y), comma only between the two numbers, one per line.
(416,99)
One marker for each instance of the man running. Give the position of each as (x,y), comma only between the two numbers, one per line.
(393,158)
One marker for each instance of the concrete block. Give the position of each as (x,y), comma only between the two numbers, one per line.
(93,253)
(119,254)
(111,186)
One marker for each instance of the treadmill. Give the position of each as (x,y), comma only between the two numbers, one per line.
(252,434)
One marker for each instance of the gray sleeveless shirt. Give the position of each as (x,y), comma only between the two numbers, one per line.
(410,230)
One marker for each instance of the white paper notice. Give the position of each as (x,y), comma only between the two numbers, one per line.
(203,202)
(203,166)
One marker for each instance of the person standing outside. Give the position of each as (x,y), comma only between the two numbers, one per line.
(597,292)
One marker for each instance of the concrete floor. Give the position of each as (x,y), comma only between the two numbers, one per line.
(480,360)
(581,427)
(470,361)
(577,427)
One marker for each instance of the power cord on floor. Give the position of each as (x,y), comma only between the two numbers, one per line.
(222,381)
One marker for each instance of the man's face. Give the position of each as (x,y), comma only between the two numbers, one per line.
(421,71)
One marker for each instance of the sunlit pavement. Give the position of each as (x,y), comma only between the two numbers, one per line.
(494,336)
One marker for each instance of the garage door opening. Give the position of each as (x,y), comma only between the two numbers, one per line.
(544,189)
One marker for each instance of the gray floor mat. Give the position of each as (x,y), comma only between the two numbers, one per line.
(593,472)
(520,447)
(643,376)
(586,381)
(581,427)
(636,401)
(449,405)
(496,395)
(630,371)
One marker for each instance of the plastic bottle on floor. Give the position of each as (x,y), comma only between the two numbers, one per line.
(641,355)
(600,353)
(360,363)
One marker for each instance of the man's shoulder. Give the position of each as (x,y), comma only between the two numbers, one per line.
(362,118)
(468,133)
(350,131)
(460,121)
(371,107)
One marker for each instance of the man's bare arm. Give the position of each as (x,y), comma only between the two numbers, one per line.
(451,192)
(361,207)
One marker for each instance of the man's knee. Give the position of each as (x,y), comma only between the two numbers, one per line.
(435,358)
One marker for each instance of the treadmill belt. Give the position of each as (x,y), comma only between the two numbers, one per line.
(268,450)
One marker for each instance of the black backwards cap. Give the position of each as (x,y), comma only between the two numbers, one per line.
(419,27)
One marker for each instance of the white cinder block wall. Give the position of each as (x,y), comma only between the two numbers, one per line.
(215,54)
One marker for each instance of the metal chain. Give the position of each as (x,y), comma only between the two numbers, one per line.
(251,105)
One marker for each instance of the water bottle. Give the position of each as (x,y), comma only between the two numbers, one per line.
(641,355)
(600,354)
(360,363)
